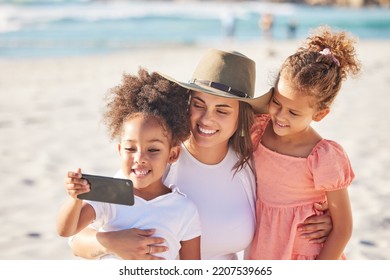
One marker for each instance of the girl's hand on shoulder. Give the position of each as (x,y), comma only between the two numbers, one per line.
(74,185)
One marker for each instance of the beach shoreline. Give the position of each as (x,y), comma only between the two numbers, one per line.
(50,122)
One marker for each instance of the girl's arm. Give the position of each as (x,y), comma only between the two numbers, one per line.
(190,249)
(129,244)
(340,210)
(74,215)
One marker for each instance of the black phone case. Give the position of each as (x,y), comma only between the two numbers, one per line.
(108,189)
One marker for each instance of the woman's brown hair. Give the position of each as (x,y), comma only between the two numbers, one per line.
(241,141)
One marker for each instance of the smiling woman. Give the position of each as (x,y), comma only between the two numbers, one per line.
(217,156)
(213,121)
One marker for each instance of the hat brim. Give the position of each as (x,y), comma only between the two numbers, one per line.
(259,104)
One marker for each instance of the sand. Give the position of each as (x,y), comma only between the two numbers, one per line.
(50,113)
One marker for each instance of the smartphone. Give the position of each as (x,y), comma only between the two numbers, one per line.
(108,189)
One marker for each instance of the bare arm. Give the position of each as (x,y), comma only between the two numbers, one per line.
(317,228)
(340,209)
(190,249)
(74,215)
(85,244)
(131,244)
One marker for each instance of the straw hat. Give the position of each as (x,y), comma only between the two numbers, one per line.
(226,74)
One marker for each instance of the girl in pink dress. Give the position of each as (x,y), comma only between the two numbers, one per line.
(295,166)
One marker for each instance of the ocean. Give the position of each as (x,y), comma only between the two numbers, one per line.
(38,28)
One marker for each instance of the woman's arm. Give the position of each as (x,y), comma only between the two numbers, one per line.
(85,245)
(131,244)
(340,209)
(190,249)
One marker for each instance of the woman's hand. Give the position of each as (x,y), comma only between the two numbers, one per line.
(317,228)
(132,244)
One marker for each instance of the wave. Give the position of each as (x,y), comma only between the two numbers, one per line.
(61,10)
(87,26)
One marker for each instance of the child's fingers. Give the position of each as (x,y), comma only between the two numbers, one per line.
(78,185)
(71,186)
(75,181)
(74,193)
(77,174)
(75,185)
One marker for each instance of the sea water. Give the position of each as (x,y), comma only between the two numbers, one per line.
(39,28)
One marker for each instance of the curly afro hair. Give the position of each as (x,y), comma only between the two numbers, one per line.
(151,95)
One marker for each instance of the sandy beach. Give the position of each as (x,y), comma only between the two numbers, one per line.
(50,122)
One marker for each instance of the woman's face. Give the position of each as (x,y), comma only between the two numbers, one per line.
(213,119)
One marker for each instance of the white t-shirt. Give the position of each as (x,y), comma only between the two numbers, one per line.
(226,203)
(173,215)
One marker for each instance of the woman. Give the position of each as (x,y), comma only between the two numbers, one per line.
(214,168)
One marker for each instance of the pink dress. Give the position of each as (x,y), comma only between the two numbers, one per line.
(287,187)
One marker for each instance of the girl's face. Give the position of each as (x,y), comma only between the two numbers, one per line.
(213,119)
(291,112)
(145,151)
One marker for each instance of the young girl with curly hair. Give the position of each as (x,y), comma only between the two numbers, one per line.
(296,167)
(148,115)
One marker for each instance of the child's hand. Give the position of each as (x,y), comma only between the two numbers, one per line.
(74,185)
